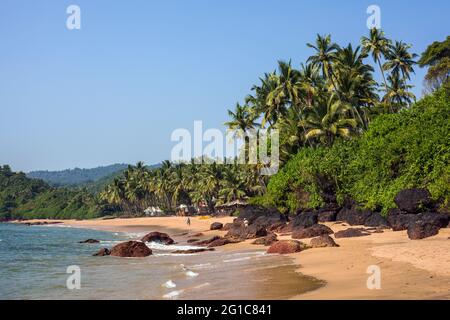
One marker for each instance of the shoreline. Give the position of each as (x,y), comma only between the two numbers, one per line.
(409,269)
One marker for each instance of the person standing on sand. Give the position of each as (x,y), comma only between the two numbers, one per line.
(188,222)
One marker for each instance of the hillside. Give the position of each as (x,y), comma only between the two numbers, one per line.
(23,197)
(77,177)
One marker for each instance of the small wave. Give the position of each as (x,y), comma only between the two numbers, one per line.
(202,266)
(170,247)
(191,274)
(237,259)
(207,284)
(173,294)
(169,284)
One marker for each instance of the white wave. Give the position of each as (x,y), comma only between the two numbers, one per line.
(173,294)
(202,266)
(168,247)
(191,274)
(207,284)
(237,259)
(169,284)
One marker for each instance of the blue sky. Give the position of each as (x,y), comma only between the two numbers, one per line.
(116,89)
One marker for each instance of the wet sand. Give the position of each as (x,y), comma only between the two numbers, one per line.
(409,269)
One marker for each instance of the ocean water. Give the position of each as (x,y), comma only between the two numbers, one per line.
(34,262)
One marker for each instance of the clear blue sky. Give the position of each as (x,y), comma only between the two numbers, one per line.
(114,90)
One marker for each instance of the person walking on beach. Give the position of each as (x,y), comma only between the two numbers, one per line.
(188,222)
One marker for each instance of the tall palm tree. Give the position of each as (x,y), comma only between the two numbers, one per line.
(378,46)
(328,120)
(400,60)
(324,57)
(398,95)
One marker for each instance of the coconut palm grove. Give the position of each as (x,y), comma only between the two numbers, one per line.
(343,135)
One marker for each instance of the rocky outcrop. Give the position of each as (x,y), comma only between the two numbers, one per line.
(227,226)
(354,216)
(311,232)
(219,242)
(327,215)
(102,252)
(401,221)
(376,220)
(267,240)
(422,229)
(413,200)
(192,251)
(304,220)
(351,233)
(323,241)
(216,226)
(158,237)
(131,249)
(90,241)
(207,241)
(287,246)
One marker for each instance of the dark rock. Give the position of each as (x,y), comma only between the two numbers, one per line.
(400,222)
(131,249)
(267,240)
(277,227)
(196,235)
(351,233)
(353,216)
(413,200)
(90,241)
(227,226)
(192,240)
(304,220)
(241,232)
(158,237)
(191,251)
(219,242)
(286,247)
(327,216)
(323,241)
(265,216)
(422,229)
(102,252)
(207,241)
(311,232)
(216,226)
(376,220)
(440,220)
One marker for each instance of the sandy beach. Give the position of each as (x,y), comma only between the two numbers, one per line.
(409,269)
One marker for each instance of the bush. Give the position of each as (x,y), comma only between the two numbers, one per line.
(404,150)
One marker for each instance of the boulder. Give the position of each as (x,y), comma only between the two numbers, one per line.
(440,220)
(239,231)
(413,200)
(304,220)
(354,216)
(219,242)
(265,216)
(90,241)
(277,227)
(158,237)
(327,216)
(422,229)
(131,249)
(268,240)
(376,220)
(399,221)
(351,233)
(323,241)
(227,226)
(311,232)
(102,252)
(216,226)
(286,247)
(191,251)
(207,241)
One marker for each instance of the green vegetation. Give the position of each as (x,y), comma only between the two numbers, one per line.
(437,58)
(175,184)
(403,150)
(342,135)
(76,177)
(22,197)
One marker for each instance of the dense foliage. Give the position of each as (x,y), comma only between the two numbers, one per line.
(22,197)
(437,58)
(76,177)
(404,150)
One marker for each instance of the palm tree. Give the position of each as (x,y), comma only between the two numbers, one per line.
(400,60)
(377,45)
(398,95)
(329,120)
(324,57)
